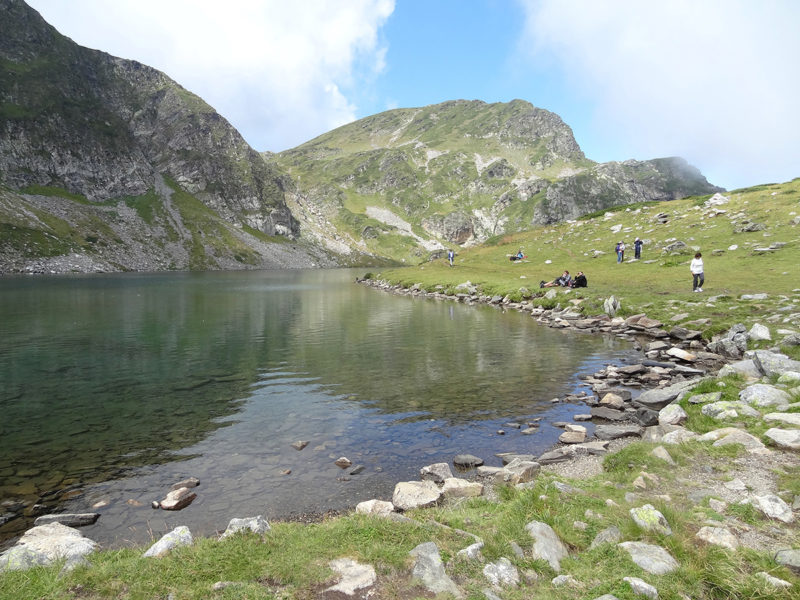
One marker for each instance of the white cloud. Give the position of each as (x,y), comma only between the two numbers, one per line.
(714,81)
(279,71)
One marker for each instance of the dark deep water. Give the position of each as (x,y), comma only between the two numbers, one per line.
(114,387)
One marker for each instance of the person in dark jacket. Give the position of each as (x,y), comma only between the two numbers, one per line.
(580,280)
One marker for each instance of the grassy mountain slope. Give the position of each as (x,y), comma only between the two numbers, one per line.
(408,181)
(750,245)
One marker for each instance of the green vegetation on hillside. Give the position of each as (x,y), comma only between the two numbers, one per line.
(660,282)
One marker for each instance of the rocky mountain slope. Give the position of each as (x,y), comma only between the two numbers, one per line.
(94,149)
(407,181)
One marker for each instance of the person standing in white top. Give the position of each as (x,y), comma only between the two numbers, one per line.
(698,278)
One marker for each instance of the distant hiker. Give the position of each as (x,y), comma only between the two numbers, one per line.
(450,256)
(698,278)
(579,281)
(620,250)
(637,248)
(563,281)
(518,256)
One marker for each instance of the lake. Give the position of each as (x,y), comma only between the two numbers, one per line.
(114,387)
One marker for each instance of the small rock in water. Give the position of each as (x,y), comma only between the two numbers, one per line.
(286,472)
(299,444)
(186,483)
(343,462)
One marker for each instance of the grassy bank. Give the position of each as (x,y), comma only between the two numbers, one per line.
(660,282)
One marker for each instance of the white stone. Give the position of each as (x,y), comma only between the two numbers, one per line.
(788,439)
(547,545)
(416,494)
(180,536)
(353,576)
(455,487)
(375,507)
(773,507)
(661,452)
(501,573)
(787,418)
(718,536)
(641,587)
(759,332)
(649,518)
(672,414)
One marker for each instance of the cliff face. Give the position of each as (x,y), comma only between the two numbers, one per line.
(408,181)
(79,123)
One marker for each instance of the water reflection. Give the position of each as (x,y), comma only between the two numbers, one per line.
(107,381)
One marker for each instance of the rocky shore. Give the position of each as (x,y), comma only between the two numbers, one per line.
(651,401)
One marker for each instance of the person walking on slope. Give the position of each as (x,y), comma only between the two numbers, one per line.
(620,250)
(637,248)
(698,278)
(450,256)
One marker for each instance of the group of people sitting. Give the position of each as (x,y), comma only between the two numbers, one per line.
(566,280)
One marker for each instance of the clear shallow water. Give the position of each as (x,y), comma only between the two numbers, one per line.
(114,387)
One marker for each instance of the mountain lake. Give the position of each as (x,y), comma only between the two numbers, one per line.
(114,387)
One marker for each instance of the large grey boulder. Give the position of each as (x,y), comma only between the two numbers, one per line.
(759,332)
(726,409)
(44,545)
(761,395)
(653,559)
(610,535)
(787,418)
(257,525)
(379,508)
(747,368)
(773,507)
(788,439)
(454,487)
(68,519)
(613,432)
(672,414)
(546,544)
(429,570)
(180,536)
(658,398)
(734,435)
(416,494)
(437,472)
(789,558)
(773,364)
(718,536)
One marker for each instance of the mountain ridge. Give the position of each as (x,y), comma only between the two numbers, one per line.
(111,161)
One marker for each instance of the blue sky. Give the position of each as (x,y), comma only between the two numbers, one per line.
(714,81)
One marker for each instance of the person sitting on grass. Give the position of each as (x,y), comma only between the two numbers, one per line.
(563,281)
(579,281)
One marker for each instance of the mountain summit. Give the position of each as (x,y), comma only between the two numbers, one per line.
(407,181)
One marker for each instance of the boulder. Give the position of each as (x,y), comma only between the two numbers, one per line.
(180,536)
(429,571)
(416,494)
(672,414)
(787,418)
(178,499)
(759,332)
(788,439)
(734,435)
(375,507)
(653,559)
(546,544)
(789,558)
(610,535)
(746,368)
(612,400)
(705,398)
(650,519)
(613,432)
(661,453)
(728,410)
(641,587)
(257,525)
(608,414)
(761,395)
(774,508)
(773,364)
(472,552)
(461,488)
(467,461)
(501,573)
(682,333)
(45,545)
(681,354)
(68,519)
(354,578)
(718,536)
(437,472)
(657,399)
